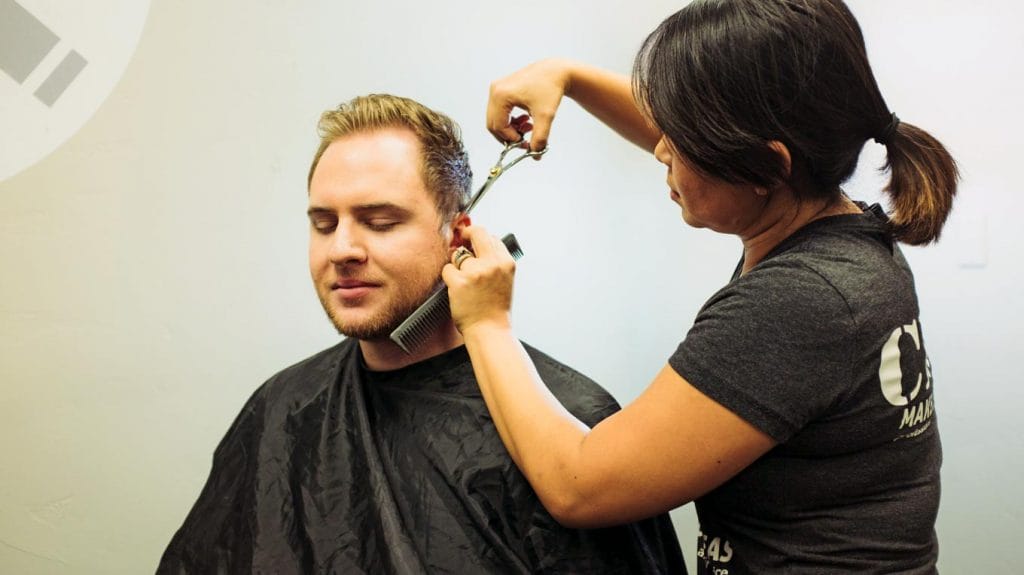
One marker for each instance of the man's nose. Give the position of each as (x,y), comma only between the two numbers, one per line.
(347,246)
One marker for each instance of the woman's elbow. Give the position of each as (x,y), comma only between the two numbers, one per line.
(607,506)
(574,510)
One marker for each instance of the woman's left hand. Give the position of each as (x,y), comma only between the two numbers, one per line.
(480,287)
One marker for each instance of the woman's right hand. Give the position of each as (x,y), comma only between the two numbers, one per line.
(538,89)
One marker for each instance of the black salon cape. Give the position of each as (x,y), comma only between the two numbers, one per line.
(333,469)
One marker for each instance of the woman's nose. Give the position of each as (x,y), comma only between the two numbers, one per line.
(662,152)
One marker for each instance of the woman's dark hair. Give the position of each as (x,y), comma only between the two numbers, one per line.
(723,78)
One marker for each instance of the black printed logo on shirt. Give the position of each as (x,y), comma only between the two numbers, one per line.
(713,554)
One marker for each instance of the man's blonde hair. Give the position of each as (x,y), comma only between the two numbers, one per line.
(445,165)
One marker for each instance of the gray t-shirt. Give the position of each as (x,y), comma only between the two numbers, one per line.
(820,346)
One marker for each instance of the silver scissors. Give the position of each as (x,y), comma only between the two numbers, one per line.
(500,168)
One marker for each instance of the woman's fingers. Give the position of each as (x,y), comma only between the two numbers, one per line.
(499,108)
(479,285)
(537,89)
(484,245)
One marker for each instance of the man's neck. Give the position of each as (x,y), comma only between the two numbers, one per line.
(385,355)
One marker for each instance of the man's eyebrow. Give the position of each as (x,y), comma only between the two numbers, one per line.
(363,209)
(388,207)
(316,211)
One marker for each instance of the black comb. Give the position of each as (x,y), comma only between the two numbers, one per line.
(420,324)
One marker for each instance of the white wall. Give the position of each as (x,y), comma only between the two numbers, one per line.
(154,265)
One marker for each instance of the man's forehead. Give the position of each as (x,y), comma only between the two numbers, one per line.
(377,145)
(371,169)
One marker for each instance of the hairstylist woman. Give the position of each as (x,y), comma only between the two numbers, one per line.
(797,413)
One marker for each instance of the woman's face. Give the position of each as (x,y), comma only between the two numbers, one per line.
(708,202)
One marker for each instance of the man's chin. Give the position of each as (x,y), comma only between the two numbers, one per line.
(372,329)
(362,331)
(380,326)
(364,335)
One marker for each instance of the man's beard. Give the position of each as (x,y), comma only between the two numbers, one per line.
(380,326)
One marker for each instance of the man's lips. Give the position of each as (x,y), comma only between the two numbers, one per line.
(350,284)
(350,289)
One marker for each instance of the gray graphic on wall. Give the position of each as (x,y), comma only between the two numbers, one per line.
(59,62)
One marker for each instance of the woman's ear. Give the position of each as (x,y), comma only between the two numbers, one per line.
(458,224)
(785,160)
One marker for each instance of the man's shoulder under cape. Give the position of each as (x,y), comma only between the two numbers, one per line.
(333,469)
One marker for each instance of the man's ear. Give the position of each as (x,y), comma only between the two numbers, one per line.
(785,160)
(458,224)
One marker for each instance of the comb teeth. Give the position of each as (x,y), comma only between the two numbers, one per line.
(512,244)
(420,324)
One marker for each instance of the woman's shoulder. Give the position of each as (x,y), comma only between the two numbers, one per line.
(852,254)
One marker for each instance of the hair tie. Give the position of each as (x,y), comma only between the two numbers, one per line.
(889,131)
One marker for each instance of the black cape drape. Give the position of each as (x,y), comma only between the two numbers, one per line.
(331,468)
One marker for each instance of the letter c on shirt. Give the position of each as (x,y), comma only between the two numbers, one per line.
(891,369)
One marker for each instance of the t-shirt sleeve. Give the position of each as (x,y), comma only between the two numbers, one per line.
(772,347)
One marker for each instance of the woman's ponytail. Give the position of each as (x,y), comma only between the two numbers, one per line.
(922,184)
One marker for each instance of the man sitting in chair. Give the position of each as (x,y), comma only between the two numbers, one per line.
(365,459)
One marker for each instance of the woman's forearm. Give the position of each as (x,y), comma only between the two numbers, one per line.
(609,97)
(543,438)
